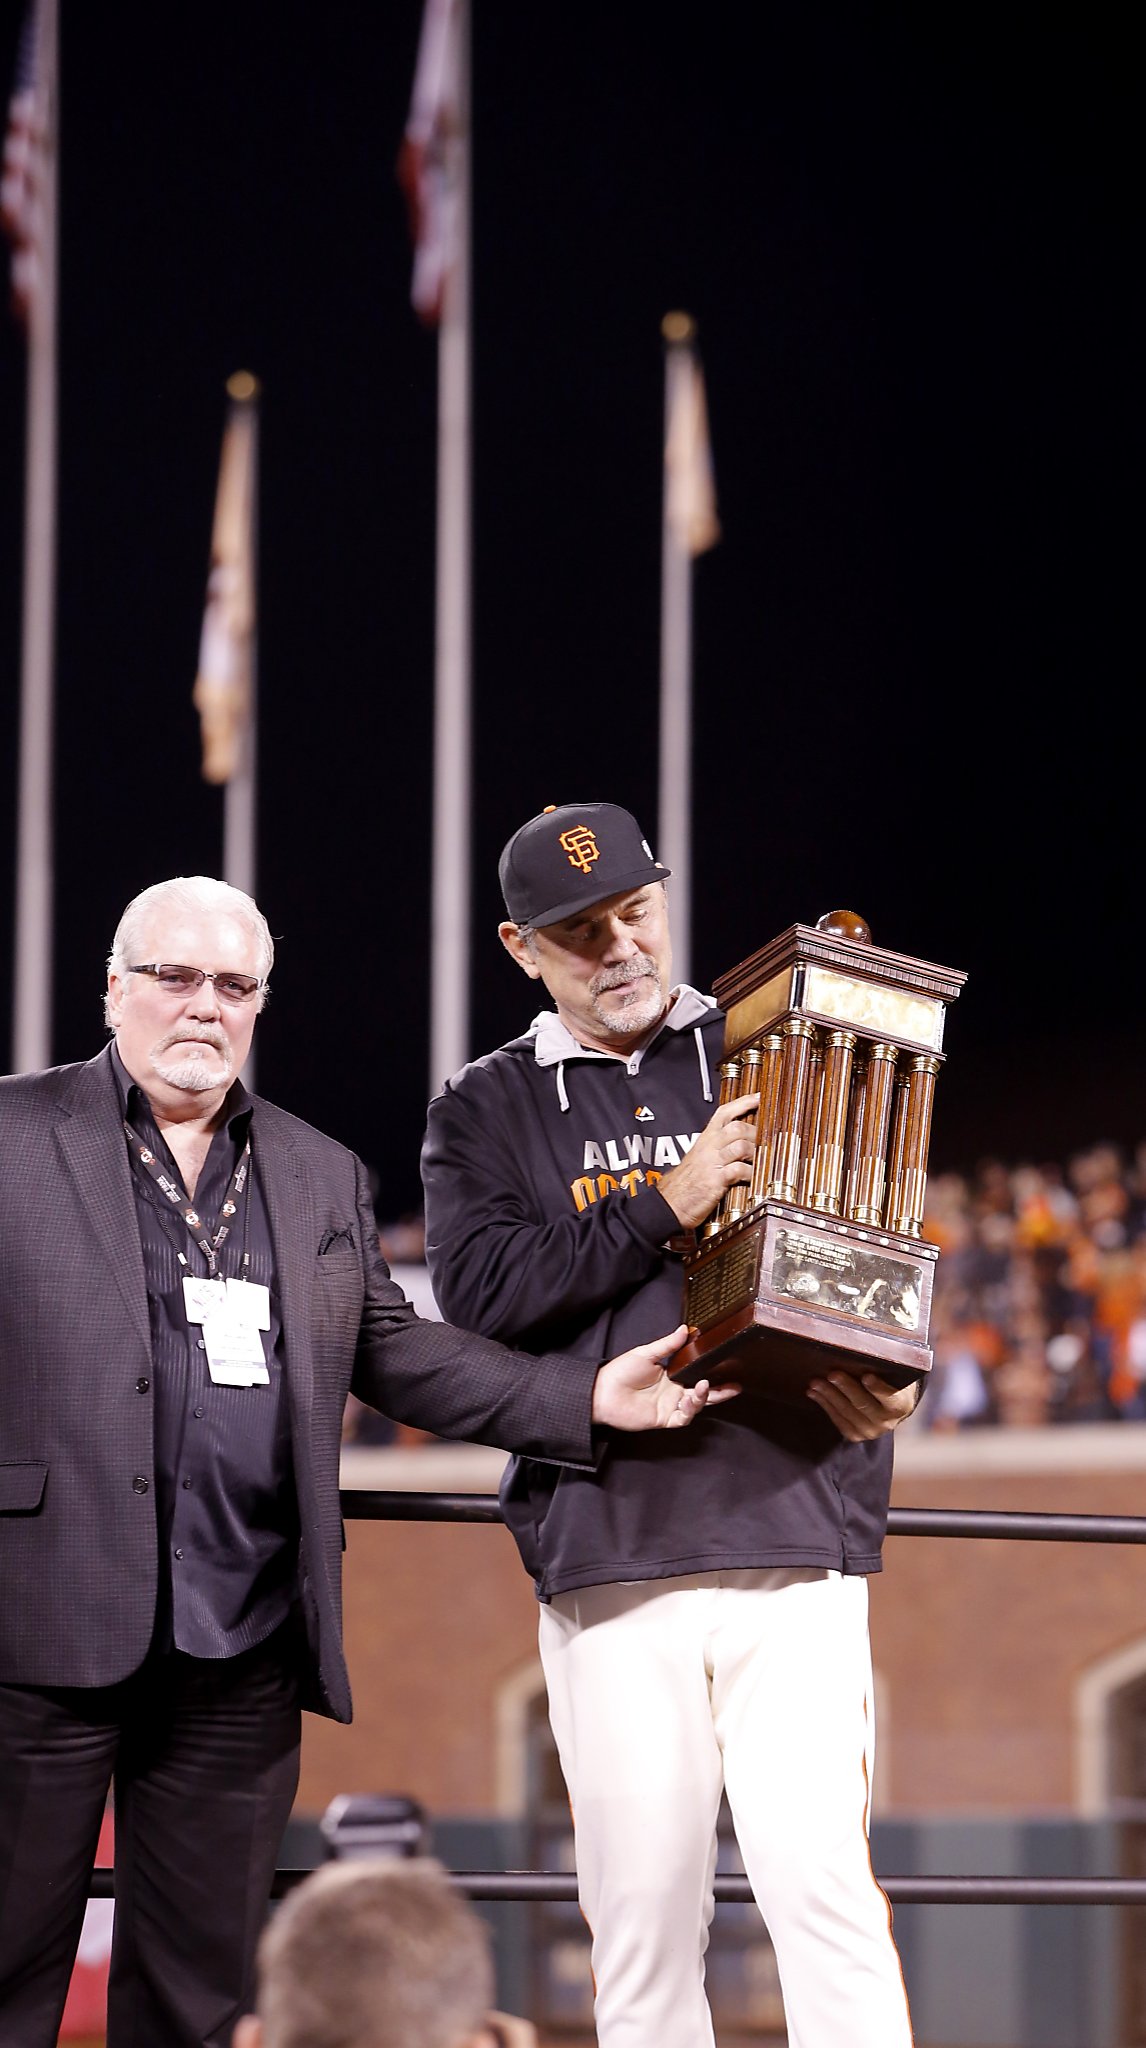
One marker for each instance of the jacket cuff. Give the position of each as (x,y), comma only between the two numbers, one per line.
(568,1435)
(652,1219)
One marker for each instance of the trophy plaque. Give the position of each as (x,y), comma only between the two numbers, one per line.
(820,1261)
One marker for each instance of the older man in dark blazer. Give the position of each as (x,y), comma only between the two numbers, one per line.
(190,1284)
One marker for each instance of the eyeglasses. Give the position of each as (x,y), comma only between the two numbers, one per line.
(183,981)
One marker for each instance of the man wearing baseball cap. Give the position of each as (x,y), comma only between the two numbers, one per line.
(703,1617)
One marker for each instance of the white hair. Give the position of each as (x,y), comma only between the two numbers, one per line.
(191,894)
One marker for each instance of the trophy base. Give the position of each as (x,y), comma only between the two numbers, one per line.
(785,1295)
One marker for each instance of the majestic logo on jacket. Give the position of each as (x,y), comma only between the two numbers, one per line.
(637,1160)
(644,1115)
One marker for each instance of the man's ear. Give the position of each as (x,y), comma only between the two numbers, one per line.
(248,2033)
(518,949)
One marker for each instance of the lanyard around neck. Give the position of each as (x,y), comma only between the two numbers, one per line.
(209,1243)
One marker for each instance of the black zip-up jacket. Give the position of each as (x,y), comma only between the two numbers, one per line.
(544,1228)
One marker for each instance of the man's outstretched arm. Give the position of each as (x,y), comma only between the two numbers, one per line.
(633,1391)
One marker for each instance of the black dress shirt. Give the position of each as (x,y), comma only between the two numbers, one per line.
(225,1494)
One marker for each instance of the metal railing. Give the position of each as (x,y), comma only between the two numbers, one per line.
(940,1891)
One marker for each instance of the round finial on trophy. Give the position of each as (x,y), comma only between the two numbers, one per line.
(845,924)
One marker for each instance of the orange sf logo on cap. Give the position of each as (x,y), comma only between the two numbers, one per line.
(581,847)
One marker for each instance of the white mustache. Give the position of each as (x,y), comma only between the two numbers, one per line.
(207,1034)
(623,973)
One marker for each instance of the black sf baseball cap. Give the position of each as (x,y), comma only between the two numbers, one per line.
(572,855)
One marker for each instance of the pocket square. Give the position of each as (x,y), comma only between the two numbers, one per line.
(330,1238)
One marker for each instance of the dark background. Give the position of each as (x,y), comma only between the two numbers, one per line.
(910,239)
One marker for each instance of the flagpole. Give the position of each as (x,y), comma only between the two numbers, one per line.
(225,693)
(32,984)
(240,800)
(451,856)
(240,795)
(674,801)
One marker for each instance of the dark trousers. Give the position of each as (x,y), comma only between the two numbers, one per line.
(203,1757)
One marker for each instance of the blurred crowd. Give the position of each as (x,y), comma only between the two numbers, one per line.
(1039,1312)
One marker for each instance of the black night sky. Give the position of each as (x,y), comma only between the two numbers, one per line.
(911,239)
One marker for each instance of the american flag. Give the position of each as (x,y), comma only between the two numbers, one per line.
(428,156)
(20,184)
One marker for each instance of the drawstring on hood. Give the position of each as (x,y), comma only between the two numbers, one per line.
(554,1043)
(701,1057)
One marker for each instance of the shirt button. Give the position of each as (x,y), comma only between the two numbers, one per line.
(198,1415)
(139,1484)
(202,1344)
(186,1482)
(141,1386)
(178,1553)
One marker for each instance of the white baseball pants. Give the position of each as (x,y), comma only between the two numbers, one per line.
(758,1682)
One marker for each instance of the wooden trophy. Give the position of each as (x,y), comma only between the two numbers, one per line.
(820,1262)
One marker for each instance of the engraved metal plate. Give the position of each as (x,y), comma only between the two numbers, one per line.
(725,1282)
(843,1278)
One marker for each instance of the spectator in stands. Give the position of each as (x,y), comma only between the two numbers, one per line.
(1041,1285)
(378,1953)
(958,1394)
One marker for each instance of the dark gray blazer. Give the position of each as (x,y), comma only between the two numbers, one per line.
(78,1538)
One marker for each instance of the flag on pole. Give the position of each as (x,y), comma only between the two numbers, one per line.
(427,158)
(690,486)
(223,687)
(21,181)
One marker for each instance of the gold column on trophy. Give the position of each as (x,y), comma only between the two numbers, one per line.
(810,1123)
(771,1063)
(729,1090)
(909,1177)
(820,1260)
(782,1163)
(736,1201)
(865,1195)
(828,1167)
